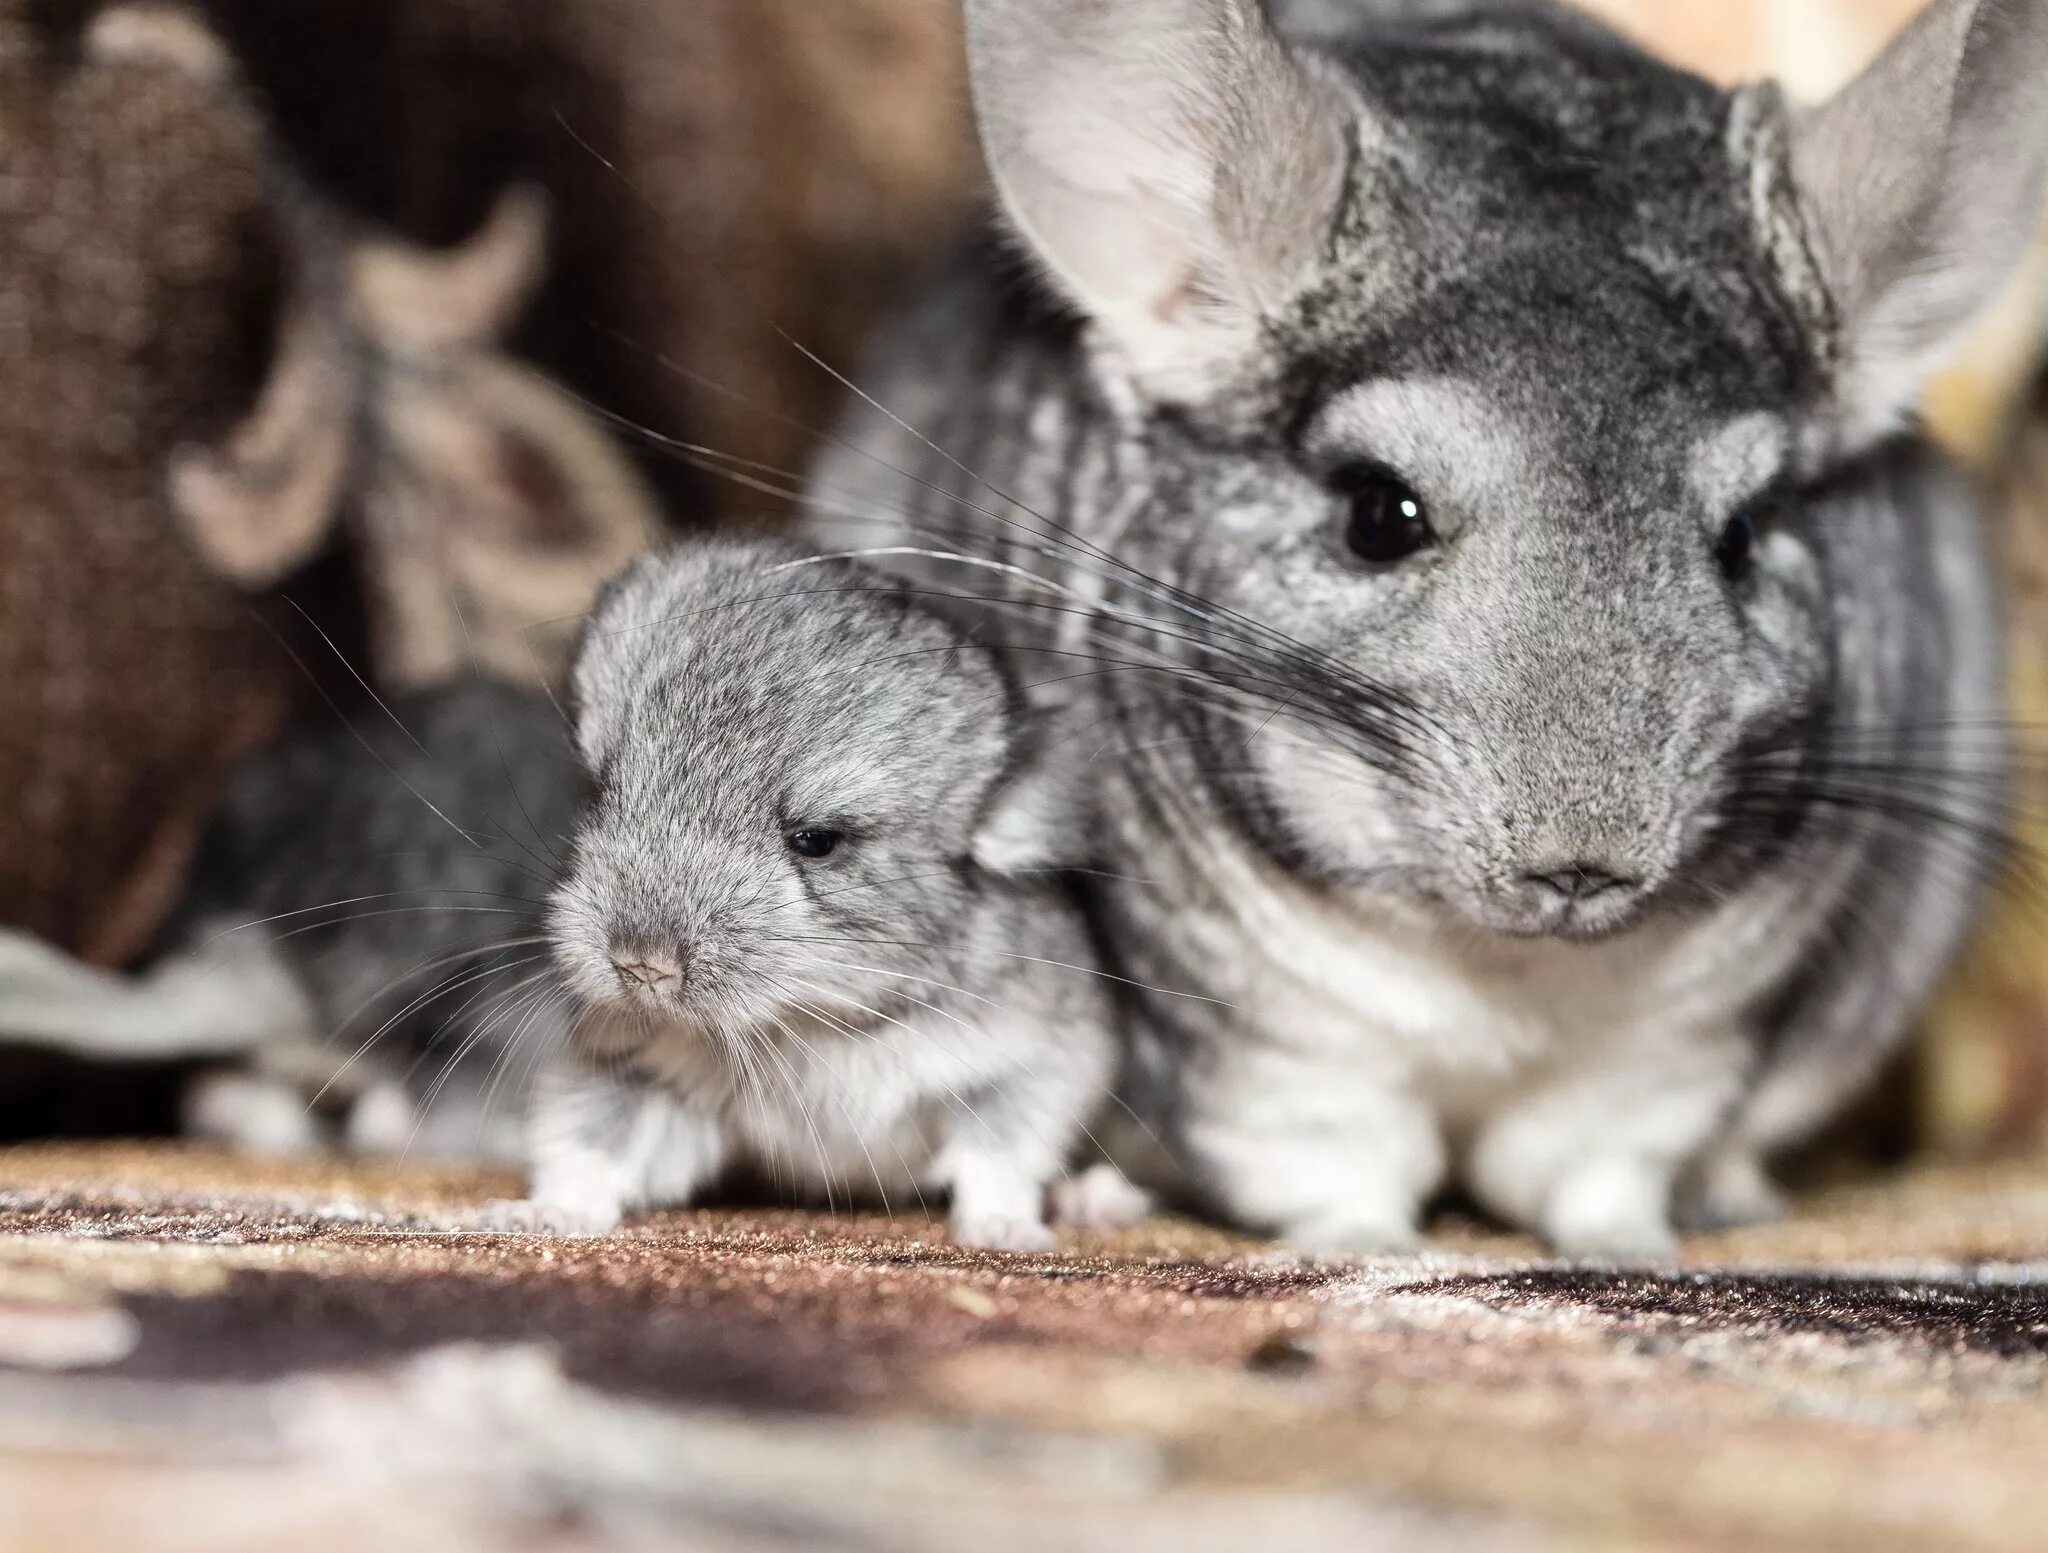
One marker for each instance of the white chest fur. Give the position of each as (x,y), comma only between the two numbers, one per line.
(1459,1020)
(835,1110)
(1371,1054)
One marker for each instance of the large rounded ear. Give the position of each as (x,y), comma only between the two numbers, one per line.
(1921,185)
(1172,164)
(609,652)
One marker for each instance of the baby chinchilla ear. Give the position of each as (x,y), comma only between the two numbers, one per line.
(1039,816)
(1920,185)
(1171,162)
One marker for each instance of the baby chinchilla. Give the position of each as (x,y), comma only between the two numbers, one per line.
(1560,697)
(811,917)
(363,933)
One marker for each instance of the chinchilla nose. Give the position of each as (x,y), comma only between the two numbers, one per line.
(1576,882)
(643,969)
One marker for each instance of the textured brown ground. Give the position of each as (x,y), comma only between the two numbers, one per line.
(201,1352)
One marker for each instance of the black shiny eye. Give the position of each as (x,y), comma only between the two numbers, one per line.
(813,843)
(1387,521)
(1735,550)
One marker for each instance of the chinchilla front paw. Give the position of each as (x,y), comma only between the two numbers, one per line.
(1000,1232)
(1354,1232)
(1611,1211)
(1099,1200)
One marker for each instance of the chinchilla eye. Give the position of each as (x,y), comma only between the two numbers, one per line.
(1388,522)
(813,843)
(1735,551)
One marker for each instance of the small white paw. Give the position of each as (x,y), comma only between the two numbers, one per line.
(252,1115)
(1099,1199)
(524,1216)
(995,1232)
(1353,1234)
(1611,1211)
(1631,1244)
(382,1121)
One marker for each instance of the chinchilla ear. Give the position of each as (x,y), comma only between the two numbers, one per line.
(1921,185)
(1039,817)
(1173,165)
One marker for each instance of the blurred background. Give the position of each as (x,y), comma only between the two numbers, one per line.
(344,335)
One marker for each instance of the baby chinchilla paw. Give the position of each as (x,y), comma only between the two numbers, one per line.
(1611,1211)
(998,1233)
(1348,1235)
(1099,1199)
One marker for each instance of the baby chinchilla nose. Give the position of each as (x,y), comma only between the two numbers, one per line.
(1577,881)
(640,968)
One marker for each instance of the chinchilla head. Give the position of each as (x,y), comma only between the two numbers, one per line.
(1497,364)
(807,787)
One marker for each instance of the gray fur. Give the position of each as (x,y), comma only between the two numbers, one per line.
(914,1011)
(364,927)
(1576,299)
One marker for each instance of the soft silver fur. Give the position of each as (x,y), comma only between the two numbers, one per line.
(1589,308)
(915,1011)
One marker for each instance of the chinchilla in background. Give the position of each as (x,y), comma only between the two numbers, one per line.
(1549,697)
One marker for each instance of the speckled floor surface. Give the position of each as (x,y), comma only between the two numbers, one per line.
(208,1353)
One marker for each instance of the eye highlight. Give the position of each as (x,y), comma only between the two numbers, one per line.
(813,843)
(1387,521)
(1735,550)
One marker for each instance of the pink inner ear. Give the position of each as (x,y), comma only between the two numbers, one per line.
(1199,192)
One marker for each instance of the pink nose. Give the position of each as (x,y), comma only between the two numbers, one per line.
(647,970)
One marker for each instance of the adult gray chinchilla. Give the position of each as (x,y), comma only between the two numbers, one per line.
(1551,729)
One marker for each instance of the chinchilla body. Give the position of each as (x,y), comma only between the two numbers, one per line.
(395,869)
(1549,712)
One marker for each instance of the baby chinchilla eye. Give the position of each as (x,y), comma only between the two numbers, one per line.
(1735,551)
(813,843)
(1388,522)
